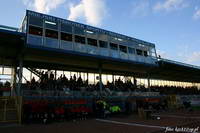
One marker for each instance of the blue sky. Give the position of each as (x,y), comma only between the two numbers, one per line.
(173,25)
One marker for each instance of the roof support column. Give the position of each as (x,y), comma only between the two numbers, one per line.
(134,81)
(148,83)
(100,78)
(55,75)
(83,76)
(113,78)
(87,78)
(14,79)
(106,78)
(20,74)
(94,79)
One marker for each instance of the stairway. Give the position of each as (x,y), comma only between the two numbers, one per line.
(34,71)
(10,109)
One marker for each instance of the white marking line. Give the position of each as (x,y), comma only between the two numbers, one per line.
(7,126)
(130,124)
(175,116)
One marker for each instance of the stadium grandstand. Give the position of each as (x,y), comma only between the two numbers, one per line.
(49,60)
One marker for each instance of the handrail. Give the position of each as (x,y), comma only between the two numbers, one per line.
(85,93)
(8,28)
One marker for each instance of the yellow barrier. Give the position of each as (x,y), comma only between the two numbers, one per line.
(141,113)
(10,109)
(172,101)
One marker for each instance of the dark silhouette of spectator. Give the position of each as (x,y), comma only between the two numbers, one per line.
(46,76)
(51,76)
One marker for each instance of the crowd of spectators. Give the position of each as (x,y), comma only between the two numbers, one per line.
(49,82)
(5,85)
(119,85)
(62,83)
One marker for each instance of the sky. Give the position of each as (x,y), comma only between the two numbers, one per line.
(173,25)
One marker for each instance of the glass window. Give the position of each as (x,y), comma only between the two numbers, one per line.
(51,34)
(139,52)
(90,32)
(79,31)
(35,30)
(36,21)
(103,44)
(24,24)
(113,46)
(79,39)
(92,42)
(66,28)
(131,50)
(51,25)
(145,53)
(123,48)
(66,37)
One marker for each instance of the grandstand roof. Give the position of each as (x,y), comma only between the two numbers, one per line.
(177,71)
(11,43)
(12,47)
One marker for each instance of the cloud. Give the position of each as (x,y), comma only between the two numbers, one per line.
(76,12)
(43,6)
(187,55)
(170,5)
(194,57)
(93,11)
(184,54)
(141,8)
(197,14)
